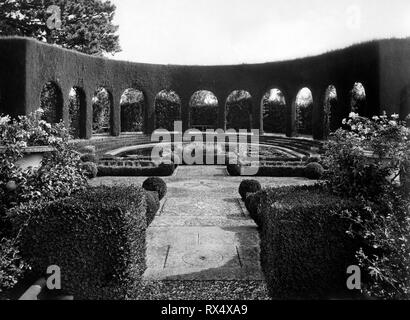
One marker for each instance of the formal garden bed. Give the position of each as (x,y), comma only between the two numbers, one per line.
(358,214)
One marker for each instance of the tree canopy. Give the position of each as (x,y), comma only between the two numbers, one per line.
(86,25)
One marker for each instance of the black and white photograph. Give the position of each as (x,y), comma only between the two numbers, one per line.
(206,157)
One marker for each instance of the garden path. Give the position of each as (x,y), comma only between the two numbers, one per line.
(203,231)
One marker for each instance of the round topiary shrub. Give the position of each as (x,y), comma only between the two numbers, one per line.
(252,203)
(153,205)
(88,158)
(314,171)
(90,169)
(249,186)
(233,170)
(156,184)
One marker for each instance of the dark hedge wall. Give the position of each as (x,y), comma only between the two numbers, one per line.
(383,67)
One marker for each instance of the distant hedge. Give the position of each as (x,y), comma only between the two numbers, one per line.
(97,238)
(279,171)
(305,250)
(116,171)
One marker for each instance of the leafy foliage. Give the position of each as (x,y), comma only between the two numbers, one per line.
(87,25)
(102,111)
(364,160)
(58,176)
(363,155)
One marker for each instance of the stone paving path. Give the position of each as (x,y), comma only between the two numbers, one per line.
(202,231)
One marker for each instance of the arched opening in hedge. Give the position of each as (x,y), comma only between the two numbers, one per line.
(132,106)
(357,98)
(77,106)
(102,111)
(274,111)
(167,109)
(204,110)
(304,111)
(51,101)
(329,106)
(239,110)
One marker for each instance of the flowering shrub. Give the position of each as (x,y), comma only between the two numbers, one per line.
(365,152)
(364,159)
(59,175)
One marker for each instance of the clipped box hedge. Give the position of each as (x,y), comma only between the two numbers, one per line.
(297,171)
(162,170)
(97,238)
(305,251)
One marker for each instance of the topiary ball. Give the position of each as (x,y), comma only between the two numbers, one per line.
(88,158)
(90,169)
(153,204)
(252,203)
(249,186)
(88,149)
(314,171)
(156,184)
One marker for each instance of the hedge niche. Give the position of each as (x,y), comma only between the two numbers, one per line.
(305,250)
(204,110)
(167,110)
(239,110)
(97,238)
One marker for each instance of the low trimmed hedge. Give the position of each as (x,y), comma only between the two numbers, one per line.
(305,250)
(163,170)
(273,171)
(96,237)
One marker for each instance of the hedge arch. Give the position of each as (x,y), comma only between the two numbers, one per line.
(52,102)
(304,111)
(239,110)
(102,111)
(132,104)
(203,107)
(77,106)
(274,112)
(167,109)
(358,98)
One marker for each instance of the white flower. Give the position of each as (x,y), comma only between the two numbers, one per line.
(40,110)
(393,123)
(376,118)
(353,115)
(344,121)
(395,116)
(4,120)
